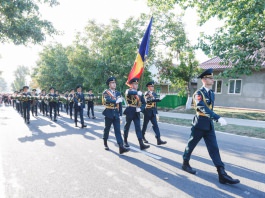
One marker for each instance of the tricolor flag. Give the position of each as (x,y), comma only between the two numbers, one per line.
(138,66)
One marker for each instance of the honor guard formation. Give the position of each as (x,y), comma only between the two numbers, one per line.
(74,101)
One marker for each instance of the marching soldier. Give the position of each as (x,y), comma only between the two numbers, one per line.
(113,112)
(44,106)
(34,103)
(136,104)
(203,127)
(53,102)
(66,104)
(26,104)
(71,102)
(90,104)
(16,101)
(20,103)
(79,104)
(59,103)
(150,113)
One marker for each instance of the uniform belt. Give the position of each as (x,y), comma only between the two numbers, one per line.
(201,114)
(132,105)
(110,107)
(150,106)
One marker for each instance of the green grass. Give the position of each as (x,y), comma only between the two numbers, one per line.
(231,128)
(226,112)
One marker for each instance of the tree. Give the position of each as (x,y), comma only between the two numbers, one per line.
(3,84)
(102,51)
(20,77)
(240,42)
(181,74)
(21,21)
(52,69)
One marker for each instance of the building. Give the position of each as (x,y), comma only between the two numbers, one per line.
(242,92)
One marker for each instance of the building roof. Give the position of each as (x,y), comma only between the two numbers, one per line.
(213,63)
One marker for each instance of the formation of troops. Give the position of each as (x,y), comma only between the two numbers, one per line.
(137,102)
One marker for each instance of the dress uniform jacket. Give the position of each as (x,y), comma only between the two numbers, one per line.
(109,100)
(204,103)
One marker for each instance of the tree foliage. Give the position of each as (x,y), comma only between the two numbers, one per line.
(240,42)
(21,22)
(20,74)
(52,69)
(102,51)
(3,84)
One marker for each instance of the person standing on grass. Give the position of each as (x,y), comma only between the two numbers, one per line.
(203,127)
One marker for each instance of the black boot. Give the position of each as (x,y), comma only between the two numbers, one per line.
(224,178)
(106,144)
(83,125)
(76,124)
(145,140)
(126,142)
(159,141)
(186,167)
(142,145)
(122,149)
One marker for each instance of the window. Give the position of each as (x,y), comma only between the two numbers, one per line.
(217,86)
(234,86)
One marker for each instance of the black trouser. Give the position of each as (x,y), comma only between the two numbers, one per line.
(210,141)
(152,118)
(44,108)
(26,110)
(71,104)
(90,106)
(80,110)
(136,121)
(34,108)
(66,106)
(117,129)
(53,105)
(21,107)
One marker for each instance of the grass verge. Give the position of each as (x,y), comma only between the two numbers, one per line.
(231,128)
(226,112)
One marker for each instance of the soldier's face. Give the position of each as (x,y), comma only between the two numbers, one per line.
(135,85)
(79,89)
(52,91)
(112,85)
(208,81)
(151,87)
(25,90)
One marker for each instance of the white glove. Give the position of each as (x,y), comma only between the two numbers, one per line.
(222,121)
(120,118)
(118,100)
(139,93)
(162,96)
(138,109)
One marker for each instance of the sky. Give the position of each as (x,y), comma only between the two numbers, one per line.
(71,17)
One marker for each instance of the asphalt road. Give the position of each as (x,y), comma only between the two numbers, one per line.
(57,160)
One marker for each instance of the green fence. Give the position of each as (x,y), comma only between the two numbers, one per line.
(172,101)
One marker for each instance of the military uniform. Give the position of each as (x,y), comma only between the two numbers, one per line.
(150,114)
(44,105)
(26,104)
(90,104)
(113,112)
(21,103)
(79,105)
(203,127)
(53,103)
(34,104)
(66,105)
(71,103)
(136,104)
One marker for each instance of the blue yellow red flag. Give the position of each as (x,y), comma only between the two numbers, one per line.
(138,66)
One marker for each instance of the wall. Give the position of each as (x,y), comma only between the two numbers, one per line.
(252,92)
